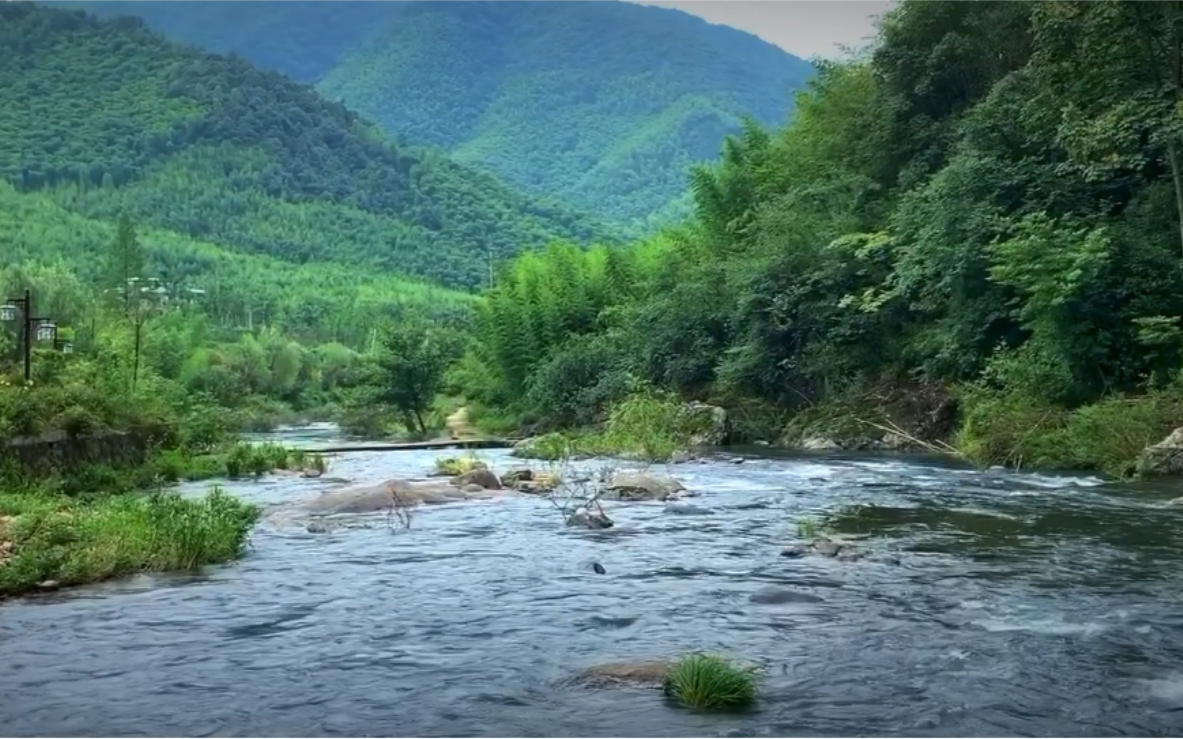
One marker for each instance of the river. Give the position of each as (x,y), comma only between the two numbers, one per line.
(1020,605)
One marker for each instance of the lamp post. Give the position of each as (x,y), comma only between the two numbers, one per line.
(8,313)
(47,330)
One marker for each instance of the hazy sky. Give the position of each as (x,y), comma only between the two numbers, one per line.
(802,27)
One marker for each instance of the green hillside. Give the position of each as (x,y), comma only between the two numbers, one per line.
(602,105)
(317,301)
(110,117)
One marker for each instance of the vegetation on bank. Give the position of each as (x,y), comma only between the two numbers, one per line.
(984,207)
(49,540)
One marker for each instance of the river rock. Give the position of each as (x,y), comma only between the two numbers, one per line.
(687,509)
(631,486)
(373,498)
(483,478)
(644,674)
(827,548)
(775,596)
(588,519)
(819,444)
(794,552)
(713,421)
(1164,458)
(311,472)
(896,442)
(514,476)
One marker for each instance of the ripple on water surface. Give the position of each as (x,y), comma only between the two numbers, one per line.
(1016,605)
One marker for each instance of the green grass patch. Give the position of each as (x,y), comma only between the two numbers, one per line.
(650,427)
(73,541)
(706,681)
(809,528)
(452,466)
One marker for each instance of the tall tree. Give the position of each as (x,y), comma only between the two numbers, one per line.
(1118,68)
(410,369)
(125,271)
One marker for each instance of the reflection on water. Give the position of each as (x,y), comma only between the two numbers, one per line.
(1020,605)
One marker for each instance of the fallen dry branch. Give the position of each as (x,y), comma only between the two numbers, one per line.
(937,447)
(400,513)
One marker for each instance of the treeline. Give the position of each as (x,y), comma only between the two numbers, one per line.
(985,205)
(211,354)
(199,143)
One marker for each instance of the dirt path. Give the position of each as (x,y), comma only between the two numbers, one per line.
(458,425)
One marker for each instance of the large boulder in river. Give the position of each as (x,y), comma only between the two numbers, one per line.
(372,498)
(485,478)
(631,674)
(711,423)
(634,486)
(1164,458)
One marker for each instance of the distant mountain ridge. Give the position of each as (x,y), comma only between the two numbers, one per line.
(602,105)
(113,117)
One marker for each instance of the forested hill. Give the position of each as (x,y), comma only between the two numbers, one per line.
(602,104)
(111,116)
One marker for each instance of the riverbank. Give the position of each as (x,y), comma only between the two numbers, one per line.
(49,541)
(1122,436)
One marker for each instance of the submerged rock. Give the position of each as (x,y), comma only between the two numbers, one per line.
(644,674)
(773,595)
(824,547)
(588,519)
(631,486)
(827,548)
(687,509)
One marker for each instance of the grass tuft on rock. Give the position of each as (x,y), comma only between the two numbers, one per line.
(706,681)
(72,541)
(453,466)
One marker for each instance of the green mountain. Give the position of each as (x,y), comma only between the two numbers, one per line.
(603,105)
(108,117)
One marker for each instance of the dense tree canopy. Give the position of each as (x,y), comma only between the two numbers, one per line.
(987,198)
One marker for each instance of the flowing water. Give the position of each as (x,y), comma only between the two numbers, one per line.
(1017,604)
